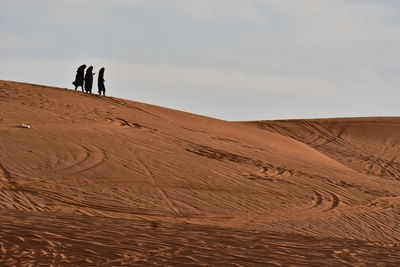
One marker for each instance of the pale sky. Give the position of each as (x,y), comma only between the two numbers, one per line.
(228,59)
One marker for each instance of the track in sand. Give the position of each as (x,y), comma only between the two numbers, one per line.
(105,181)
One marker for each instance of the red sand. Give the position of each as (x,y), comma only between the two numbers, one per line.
(107,181)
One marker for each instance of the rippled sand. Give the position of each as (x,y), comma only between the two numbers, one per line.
(106,181)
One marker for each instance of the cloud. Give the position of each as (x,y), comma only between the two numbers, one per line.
(18,40)
(206,10)
(186,80)
(216,10)
(339,21)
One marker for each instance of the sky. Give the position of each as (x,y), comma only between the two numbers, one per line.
(229,59)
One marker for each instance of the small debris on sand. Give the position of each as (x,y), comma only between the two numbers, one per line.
(27,126)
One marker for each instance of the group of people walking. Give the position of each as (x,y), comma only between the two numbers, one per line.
(85,80)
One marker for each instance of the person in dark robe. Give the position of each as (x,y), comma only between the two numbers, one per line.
(89,80)
(80,74)
(100,82)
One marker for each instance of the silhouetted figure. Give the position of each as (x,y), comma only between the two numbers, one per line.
(89,80)
(80,73)
(100,82)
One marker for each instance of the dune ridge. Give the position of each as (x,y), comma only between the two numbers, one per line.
(165,187)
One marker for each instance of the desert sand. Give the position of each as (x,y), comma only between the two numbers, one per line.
(103,181)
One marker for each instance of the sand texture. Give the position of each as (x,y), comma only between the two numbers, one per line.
(101,181)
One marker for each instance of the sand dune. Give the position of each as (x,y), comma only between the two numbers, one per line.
(107,181)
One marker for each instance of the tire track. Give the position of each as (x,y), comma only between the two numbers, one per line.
(94,157)
(121,103)
(80,161)
(268,172)
(335,202)
(324,201)
(327,136)
(320,129)
(9,198)
(38,239)
(19,200)
(159,189)
(6,175)
(318,200)
(84,203)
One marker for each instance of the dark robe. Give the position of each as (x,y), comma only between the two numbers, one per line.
(79,78)
(100,82)
(89,80)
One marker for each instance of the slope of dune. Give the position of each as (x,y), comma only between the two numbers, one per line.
(106,181)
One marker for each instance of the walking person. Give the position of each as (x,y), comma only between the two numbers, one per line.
(89,80)
(79,78)
(100,82)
